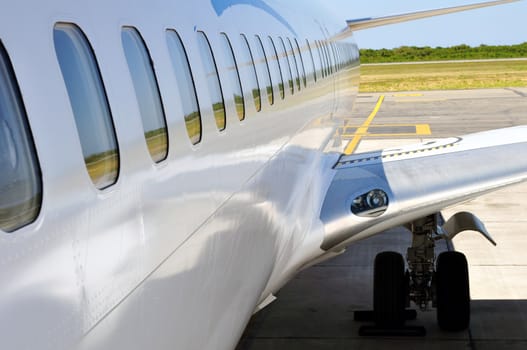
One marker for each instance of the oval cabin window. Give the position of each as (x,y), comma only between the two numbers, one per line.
(234,76)
(147,93)
(89,104)
(213,81)
(186,87)
(20,175)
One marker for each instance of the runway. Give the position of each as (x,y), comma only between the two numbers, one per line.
(315,310)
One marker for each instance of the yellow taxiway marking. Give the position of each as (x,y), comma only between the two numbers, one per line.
(356,133)
(363,129)
(423,129)
(420,130)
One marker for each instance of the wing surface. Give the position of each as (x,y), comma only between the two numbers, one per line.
(365,23)
(374,191)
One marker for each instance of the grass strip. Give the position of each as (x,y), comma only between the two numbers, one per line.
(443,76)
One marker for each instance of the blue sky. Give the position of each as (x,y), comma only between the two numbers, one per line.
(505,24)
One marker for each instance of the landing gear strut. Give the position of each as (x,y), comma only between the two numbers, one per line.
(441,282)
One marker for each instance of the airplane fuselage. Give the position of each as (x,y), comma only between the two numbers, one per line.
(175,251)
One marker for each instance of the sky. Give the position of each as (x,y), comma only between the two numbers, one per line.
(499,25)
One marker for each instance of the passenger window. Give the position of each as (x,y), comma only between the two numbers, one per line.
(334,56)
(314,74)
(213,80)
(325,57)
(234,76)
(89,104)
(186,87)
(338,50)
(330,59)
(320,60)
(344,55)
(299,53)
(248,64)
(295,64)
(264,68)
(20,177)
(147,93)
(287,64)
(275,63)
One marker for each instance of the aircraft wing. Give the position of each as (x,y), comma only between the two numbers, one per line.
(371,192)
(365,23)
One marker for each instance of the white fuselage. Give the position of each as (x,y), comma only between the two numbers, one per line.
(175,255)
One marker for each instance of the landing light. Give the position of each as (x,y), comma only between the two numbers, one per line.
(371,204)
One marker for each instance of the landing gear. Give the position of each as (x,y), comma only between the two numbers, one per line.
(390,298)
(452,292)
(442,283)
(389,290)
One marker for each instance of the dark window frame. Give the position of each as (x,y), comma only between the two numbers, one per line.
(258,96)
(222,125)
(322,59)
(295,64)
(172,32)
(267,72)
(312,61)
(304,78)
(329,71)
(281,86)
(290,81)
(238,78)
(102,90)
(31,154)
(157,92)
(331,59)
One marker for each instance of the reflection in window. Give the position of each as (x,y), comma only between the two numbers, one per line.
(334,56)
(147,93)
(299,54)
(326,58)
(323,56)
(286,63)
(89,104)
(232,73)
(342,55)
(20,176)
(213,80)
(275,64)
(328,54)
(264,68)
(338,56)
(336,48)
(314,75)
(322,61)
(247,62)
(295,64)
(187,90)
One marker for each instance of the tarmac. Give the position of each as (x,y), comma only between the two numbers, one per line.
(315,310)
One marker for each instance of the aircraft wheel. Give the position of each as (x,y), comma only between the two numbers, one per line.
(389,289)
(453,294)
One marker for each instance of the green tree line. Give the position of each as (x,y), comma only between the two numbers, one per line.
(459,52)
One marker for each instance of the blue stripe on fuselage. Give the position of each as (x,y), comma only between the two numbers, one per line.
(221,5)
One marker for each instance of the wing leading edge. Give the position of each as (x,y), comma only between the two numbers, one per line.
(372,192)
(365,23)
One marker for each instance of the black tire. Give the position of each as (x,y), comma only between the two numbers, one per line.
(389,290)
(452,292)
